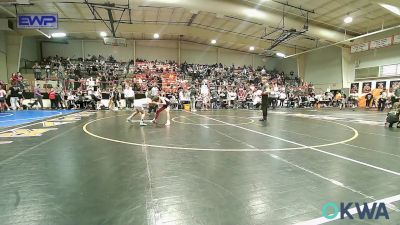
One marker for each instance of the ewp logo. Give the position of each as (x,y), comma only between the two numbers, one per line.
(365,211)
(36,21)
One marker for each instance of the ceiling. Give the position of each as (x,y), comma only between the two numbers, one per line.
(235,24)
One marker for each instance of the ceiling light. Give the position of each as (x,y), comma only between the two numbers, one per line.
(254,13)
(280,54)
(58,35)
(156,36)
(251,48)
(391,8)
(348,19)
(213,41)
(103,34)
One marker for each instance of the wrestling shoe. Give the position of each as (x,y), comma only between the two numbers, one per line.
(168,123)
(142,123)
(153,121)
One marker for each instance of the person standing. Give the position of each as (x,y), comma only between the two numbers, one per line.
(3,95)
(193,94)
(264,98)
(382,100)
(129,96)
(139,109)
(14,97)
(37,71)
(396,96)
(368,99)
(164,105)
(52,97)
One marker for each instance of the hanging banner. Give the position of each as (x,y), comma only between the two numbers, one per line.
(360,47)
(396,39)
(36,21)
(384,42)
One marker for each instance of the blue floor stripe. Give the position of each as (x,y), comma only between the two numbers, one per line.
(15,118)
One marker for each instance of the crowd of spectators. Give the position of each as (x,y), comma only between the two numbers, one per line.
(83,83)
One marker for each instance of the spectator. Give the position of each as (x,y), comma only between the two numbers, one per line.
(53,98)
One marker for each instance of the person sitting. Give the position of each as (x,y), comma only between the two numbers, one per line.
(394,115)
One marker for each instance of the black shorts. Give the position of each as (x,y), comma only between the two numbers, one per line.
(2,99)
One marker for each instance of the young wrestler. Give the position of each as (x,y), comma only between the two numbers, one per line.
(139,106)
(164,103)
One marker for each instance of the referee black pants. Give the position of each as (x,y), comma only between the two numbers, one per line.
(264,106)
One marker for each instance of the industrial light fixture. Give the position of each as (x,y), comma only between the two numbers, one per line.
(391,8)
(251,48)
(58,35)
(280,54)
(348,19)
(103,34)
(156,36)
(213,41)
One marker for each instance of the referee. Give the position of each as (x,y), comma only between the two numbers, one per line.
(264,98)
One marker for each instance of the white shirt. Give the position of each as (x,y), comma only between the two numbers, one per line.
(204,89)
(257,97)
(129,93)
(3,93)
(154,91)
(231,95)
(141,103)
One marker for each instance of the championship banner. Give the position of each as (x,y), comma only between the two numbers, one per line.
(360,47)
(396,39)
(384,42)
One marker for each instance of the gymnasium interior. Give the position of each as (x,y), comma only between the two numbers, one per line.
(209,112)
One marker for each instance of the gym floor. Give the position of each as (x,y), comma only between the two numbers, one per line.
(208,167)
(15,118)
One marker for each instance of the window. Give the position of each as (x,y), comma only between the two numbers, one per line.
(390,70)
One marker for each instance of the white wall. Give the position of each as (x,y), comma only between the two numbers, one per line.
(323,68)
(3,57)
(227,57)
(381,56)
(156,49)
(348,67)
(287,65)
(197,53)
(96,48)
(30,49)
(268,62)
(72,49)
(378,57)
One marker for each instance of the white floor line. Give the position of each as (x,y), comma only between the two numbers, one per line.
(335,182)
(352,211)
(381,134)
(309,147)
(194,121)
(323,139)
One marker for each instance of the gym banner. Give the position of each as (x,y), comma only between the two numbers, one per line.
(36,21)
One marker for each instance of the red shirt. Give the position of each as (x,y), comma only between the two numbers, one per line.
(52,95)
